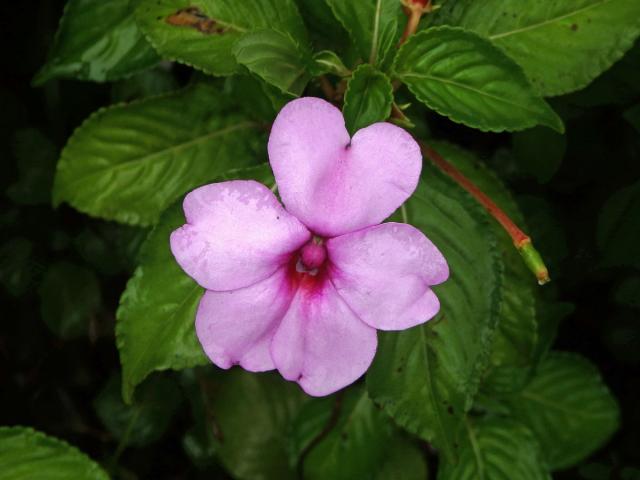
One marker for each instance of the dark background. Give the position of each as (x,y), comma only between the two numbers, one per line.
(50,383)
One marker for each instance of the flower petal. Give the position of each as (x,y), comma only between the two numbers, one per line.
(384,273)
(321,344)
(237,233)
(335,185)
(236,327)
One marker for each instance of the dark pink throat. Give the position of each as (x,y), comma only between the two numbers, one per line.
(309,267)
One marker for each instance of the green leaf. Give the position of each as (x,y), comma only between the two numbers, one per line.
(156,81)
(368,98)
(69,297)
(36,161)
(18,267)
(26,454)
(141,156)
(562,44)
(147,419)
(426,377)
(632,115)
(516,339)
(568,407)
(276,58)
(618,224)
(251,414)
(97,41)
(201,33)
(372,25)
(464,77)
(539,152)
(110,248)
(627,292)
(327,61)
(357,446)
(497,449)
(155,320)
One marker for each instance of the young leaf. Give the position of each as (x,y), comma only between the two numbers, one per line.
(568,407)
(327,61)
(372,25)
(368,98)
(562,45)
(463,76)
(147,419)
(69,296)
(97,41)
(357,446)
(143,155)
(497,449)
(155,321)
(30,455)
(427,376)
(276,58)
(201,33)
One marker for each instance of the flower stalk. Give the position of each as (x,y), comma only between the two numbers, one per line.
(521,240)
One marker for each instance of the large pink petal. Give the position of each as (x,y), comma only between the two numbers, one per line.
(334,185)
(237,233)
(321,343)
(384,273)
(236,327)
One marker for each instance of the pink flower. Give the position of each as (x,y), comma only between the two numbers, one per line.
(304,289)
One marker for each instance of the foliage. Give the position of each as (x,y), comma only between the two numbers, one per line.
(140,101)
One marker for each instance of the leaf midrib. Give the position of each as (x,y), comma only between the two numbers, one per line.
(432,396)
(549,21)
(554,405)
(166,151)
(469,88)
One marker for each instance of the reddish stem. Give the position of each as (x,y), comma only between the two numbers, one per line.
(518,236)
(521,240)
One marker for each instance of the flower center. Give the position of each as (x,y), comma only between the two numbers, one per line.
(313,254)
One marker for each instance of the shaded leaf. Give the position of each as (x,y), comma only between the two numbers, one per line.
(497,449)
(464,77)
(358,445)
(562,45)
(69,297)
(568,407)
(144,155)
(619,227)
(98,41)
(145,84)
(251,414)
(36,160)
(368,98)
(26,454)
(147,419)
(539,152)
